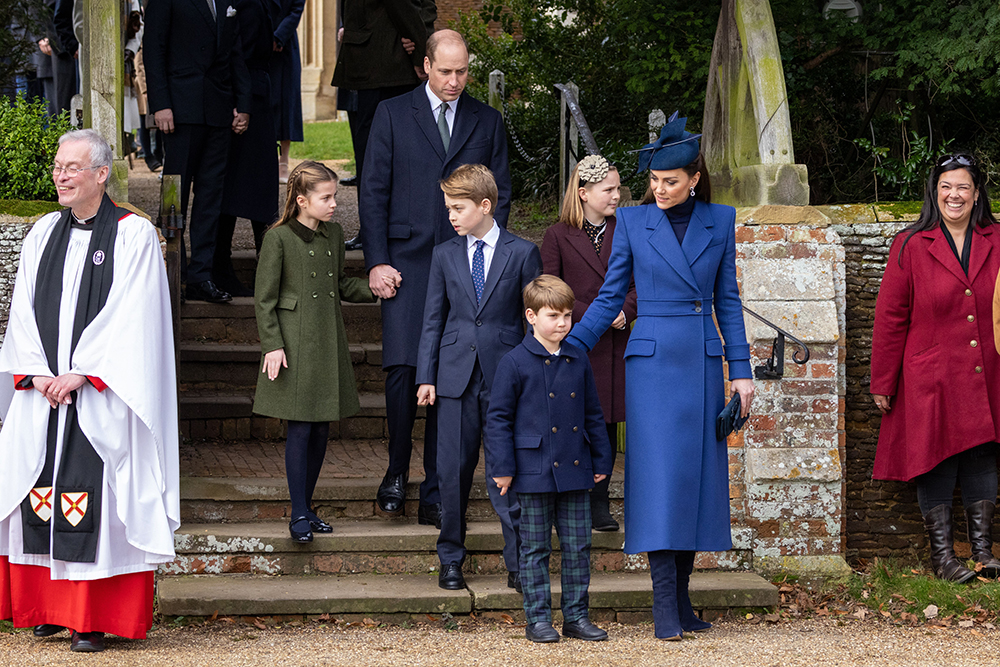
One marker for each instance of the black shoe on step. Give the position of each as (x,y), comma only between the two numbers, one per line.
(514,581)
(391,494)
(542,633)
(87,642)
(317,524)
(451,578)
(585,630)
(47,630)
(207,291)
(299,535)
(429,515)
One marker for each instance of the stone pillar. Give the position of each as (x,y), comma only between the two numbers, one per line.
(103,97)
(318,50)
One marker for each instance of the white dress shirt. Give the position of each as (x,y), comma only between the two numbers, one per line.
(489,245)
(436,109)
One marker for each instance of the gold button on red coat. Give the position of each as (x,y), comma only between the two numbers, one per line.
(972,318)
(979,369)
(968,292)
(973,343)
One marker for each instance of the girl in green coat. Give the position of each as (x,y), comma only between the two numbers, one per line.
(310,380)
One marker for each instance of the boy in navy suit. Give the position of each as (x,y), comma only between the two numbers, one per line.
(547,441)
(472,317)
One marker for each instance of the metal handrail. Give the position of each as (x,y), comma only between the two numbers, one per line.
(774,368)
(581,123)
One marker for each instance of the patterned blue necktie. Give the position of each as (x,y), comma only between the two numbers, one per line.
(478,273)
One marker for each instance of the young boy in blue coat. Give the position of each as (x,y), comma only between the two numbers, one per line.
(546,440)
(472,317)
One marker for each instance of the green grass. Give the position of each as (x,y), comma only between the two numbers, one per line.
(327,140)
(27,209)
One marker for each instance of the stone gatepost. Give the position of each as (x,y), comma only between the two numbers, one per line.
(787,468)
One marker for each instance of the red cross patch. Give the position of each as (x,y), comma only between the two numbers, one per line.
(41,501)
(74,506)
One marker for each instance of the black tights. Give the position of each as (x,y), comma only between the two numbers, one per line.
(305,450)
(975,470)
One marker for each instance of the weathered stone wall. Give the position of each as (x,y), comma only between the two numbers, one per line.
(12,233)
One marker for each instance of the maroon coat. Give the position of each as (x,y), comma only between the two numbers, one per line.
(932,353)
(569,254)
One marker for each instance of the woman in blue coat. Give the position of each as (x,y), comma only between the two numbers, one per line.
(681,250)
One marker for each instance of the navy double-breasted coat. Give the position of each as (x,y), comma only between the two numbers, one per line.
(545,426)
(676,472)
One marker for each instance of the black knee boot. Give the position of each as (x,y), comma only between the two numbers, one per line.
(946,565)
(980,518)
(663,571)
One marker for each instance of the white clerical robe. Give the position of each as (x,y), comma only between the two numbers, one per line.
(132,424)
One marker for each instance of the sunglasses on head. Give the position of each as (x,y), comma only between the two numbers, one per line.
(961,158)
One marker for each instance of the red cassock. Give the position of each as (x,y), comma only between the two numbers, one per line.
(568,253)
(933,353)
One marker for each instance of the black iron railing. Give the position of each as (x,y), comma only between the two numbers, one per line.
(774,368)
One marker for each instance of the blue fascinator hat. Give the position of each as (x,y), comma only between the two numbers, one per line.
(675,148)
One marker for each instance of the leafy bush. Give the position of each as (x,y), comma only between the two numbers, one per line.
(28,142)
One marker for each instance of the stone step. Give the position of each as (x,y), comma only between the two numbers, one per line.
(245,264)
(216,500)
(234,322)
(235,367)
(378,547)
(229,415)
(614,597)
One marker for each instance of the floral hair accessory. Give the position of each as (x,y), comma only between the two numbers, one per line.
(593,169)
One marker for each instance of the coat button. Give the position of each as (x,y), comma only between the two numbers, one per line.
(979,369)
(576,463)
(555,464)
(575,429)
(552,395)
(311,253)
(472,347)
(312,275)
(572,394)
(972,318)
(547,362)
(567,359)
(968,292)
(479,323)
(333,294)
(555,429)
(329,254)
(315,295)
(329,274)
(973,343)
(697,309)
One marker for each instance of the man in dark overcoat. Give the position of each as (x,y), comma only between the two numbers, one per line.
(411,148)
(199,92)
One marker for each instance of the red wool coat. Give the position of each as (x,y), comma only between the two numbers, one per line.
(568,253)
(932,352)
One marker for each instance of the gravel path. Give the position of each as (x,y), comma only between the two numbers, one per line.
(732,642)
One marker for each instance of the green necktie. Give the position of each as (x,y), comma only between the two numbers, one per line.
(443,126)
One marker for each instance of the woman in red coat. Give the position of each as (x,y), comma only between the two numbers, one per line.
(577,250)
(935,377)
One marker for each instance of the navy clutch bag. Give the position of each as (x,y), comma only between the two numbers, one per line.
(729,419)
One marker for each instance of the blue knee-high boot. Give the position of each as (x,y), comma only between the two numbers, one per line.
(689,621)
(663,570)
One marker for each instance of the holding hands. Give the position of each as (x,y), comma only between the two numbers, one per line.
(384,280)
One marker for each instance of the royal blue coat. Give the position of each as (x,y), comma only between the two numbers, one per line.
(676,472)
(545,426)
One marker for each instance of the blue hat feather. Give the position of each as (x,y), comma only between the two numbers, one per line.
(674,149)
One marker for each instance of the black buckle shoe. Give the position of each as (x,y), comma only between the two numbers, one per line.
(585,630)
(318,525)
(391,494)
(451,578)
(541,632)
(207,291)
(87,642)
(429,515)
(514,581)
(300,535)
(47,630)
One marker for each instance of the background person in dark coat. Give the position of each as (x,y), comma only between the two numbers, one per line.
(577,249)
(286,76)
(251,187)
(403,218)
(198,89)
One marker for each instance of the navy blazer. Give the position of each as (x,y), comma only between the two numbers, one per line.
(194,63)
(545,427)
(401,205)
(456,329)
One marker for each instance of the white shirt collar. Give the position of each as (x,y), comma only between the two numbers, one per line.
(490,238)
(437,101)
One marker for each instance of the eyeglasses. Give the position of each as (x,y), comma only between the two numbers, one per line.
(961,158)
(72,172)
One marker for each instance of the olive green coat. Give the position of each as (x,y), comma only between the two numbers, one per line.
(300,285)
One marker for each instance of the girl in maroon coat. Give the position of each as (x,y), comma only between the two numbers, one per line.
(935,377)
(577,250)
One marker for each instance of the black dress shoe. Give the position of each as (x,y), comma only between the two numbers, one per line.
(87,642)
(301,536)
(514,581)
(232,285)
(317,524)
(429,515)
(585,630)
(391,494)
(207,291)
(542,633)
(350,181)
(153,164)
(353,244)
(451,578)
(47,630)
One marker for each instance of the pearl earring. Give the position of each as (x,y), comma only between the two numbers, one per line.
(692,191)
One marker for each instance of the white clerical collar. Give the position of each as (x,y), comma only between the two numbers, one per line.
(490,238)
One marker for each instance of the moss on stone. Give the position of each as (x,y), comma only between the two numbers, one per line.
(27,209)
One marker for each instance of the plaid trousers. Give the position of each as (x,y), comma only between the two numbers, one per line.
(570,511)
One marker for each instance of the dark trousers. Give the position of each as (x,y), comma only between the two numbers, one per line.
(199,153)
(65,81)
(460,431)
(152,147)
(570,512)
(305,450)
(974,470)
(600,489)
(361,120)
(401,413)
(222,262)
